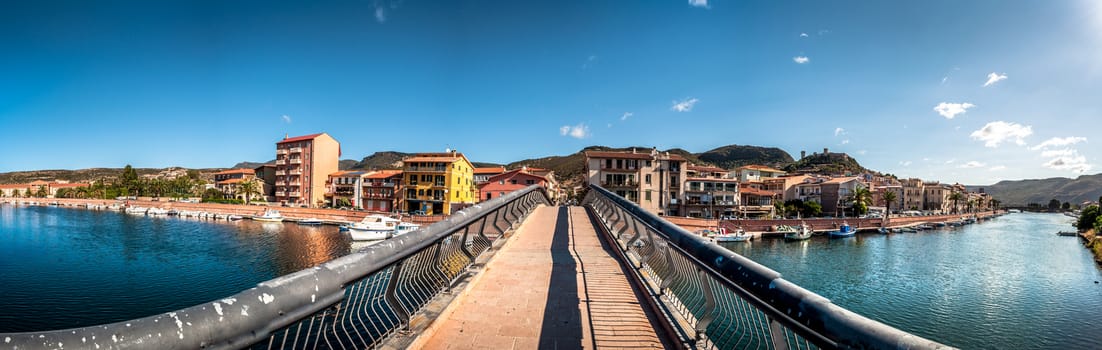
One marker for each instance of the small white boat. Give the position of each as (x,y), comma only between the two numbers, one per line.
(738,236)
(310,221)
(270,215)
(373,227)
(234,217)
(406,227)
(802,232)
(136,210)
(157,211)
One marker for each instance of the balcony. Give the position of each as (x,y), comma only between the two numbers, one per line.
(378,196)
(281,194)
(281,162)
(426,198)
(281,151)
(626,169)
(295,149)
(379,184)
(295,172)
(295,183)
(296,160)
(611,184)
(281,172)
(428,168)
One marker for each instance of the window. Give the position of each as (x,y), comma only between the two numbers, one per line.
(500,182)
(648,163)
(530,182)
(513,182)
(488,195)
(647,195)
(647,178)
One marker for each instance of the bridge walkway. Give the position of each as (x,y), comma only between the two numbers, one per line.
(554,285)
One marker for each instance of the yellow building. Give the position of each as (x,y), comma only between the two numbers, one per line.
(437,183)
(303,165)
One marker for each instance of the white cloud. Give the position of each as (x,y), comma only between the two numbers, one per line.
(994,78)
(626,115)
(846,141)
(286,119)
(1067,152)
(1059,141)
(944,80)
(950,110)
(699,3)
(803,35)
(801,59)
(685,105)
(905,163)
(380,14)
(862,152)
(997,168)
(1074,162)
(839,131)
(972,164)
(995,133)
(579,131)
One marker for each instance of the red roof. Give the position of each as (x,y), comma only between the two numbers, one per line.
(299,138)
(515,172)
(757,192)
(236,171)
(495,170)
(69,185)
(382,174)
(230,181)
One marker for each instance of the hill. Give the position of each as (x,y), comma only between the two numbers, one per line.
(92,174)
(826,163)
(1023,192)
(734,156)
(251,165)
(381,160)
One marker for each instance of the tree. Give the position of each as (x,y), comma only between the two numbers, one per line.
(888,198)
(1053,204)
(212,193)
(811,209)
(1066,206)
(248,188)
(41,193)
(16,193)
(1088,218)
(862,197)
(956,197)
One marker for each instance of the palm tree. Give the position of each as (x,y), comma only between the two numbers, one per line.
(861,197)
(956,197)
(247,188)
(888,198)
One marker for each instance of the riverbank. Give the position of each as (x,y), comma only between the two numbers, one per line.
(762,228)
(246,211)
(1094,244)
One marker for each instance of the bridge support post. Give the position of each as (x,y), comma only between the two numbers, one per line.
(392,299)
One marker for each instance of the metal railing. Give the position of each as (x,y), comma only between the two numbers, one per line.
(352,302)
(719,299)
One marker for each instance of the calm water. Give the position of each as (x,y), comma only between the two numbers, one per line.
(63,268)
(1006,283)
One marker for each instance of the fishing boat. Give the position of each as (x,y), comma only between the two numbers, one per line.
(405,227)
(157,211)
(738,236)
(843,231)
(373,227)
(270,215)
(136,210)
(802,232)
(233,217)
(310,221)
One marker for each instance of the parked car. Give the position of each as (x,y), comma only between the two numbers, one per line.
(417,213)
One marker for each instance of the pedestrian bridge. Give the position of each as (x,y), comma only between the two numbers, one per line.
(515,272)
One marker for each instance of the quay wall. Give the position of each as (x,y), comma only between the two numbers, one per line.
(332,215)
(818,224)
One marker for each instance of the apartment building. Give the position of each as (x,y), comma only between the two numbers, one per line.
(837,194)
(265,174)
(482,175)
(227,181)
(936,198)
(345,188)
(709,193)
(303,165)
(913,194)
(750,173)
(381,190)
(516,179)
(437,183)
(652,179)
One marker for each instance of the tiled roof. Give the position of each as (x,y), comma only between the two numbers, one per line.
(447,159)
(73,185)
(39,183)
(348,173)
(15,186)
(760,168)
(299,138)
(382,174)
(491,170)
(839,180)
(236,171)
(514,172)
(757,192)
(230,181)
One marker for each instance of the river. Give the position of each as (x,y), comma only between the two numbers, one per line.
(64,267)
(1008,283)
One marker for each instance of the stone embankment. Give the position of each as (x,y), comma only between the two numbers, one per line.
(329,215)
(818,224)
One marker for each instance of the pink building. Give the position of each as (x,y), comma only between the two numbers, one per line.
(499,185)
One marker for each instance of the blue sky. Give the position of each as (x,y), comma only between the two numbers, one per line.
(958,91)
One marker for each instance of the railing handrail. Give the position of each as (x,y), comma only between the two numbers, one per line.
(808,314)
(249,316)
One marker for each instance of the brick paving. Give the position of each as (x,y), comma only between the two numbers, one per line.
(553,286)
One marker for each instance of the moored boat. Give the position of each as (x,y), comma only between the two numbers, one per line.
(310,221)
(270,215)
(802,232)
(406,227)
(373,227)
(739,235)
(843,231)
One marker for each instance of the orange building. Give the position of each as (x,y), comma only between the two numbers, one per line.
(501,184)
(303,165)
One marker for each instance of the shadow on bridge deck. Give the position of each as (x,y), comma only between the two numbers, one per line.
(554,285)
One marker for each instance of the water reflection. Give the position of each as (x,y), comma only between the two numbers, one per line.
(64,267)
